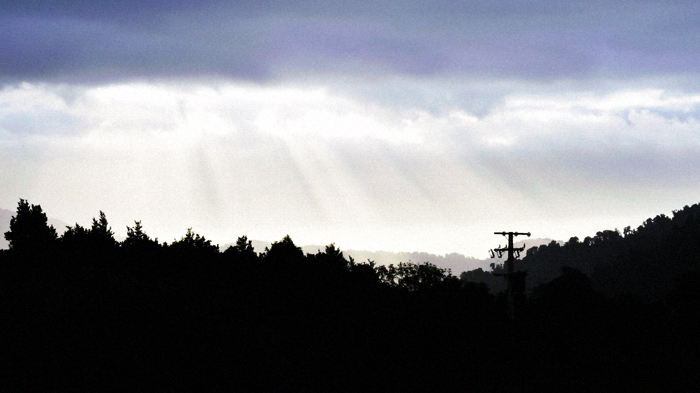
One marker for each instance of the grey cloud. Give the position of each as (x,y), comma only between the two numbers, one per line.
(99,41)
(126,10)
(87,50)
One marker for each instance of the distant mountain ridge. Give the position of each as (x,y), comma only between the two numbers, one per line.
(455,262)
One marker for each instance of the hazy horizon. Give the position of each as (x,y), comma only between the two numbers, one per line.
(384,125)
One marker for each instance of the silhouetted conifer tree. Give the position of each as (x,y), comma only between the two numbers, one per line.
(29,229)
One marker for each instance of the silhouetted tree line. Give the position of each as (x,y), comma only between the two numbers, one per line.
(82,311)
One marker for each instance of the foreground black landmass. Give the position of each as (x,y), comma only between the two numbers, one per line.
(85,312)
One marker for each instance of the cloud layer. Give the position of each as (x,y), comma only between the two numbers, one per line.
(233,159)
(540,40)
(400,125)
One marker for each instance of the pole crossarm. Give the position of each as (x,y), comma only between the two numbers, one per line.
(513,233)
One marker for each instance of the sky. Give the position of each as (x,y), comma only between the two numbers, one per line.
(380,125)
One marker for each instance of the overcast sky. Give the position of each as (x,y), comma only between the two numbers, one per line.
(394,125)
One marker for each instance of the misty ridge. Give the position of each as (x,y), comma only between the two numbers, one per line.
(453,262)
(616,311)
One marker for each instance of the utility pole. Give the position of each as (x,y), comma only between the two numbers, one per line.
(512,278)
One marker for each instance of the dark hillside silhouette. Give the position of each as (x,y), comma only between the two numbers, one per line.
(82,311)
(643,262)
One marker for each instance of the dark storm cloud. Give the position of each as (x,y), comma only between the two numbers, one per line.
(101,40)
(45,47)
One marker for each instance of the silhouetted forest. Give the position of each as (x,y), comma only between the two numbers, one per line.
(82,311)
